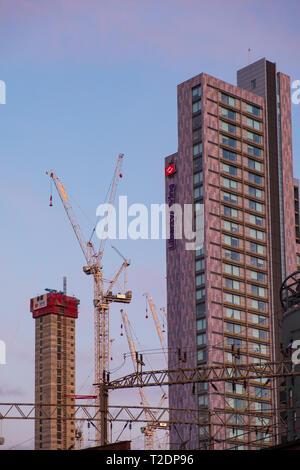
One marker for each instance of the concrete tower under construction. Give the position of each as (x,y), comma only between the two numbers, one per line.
(54,314)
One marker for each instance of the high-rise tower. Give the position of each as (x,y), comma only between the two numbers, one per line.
(235,157)
(54,314)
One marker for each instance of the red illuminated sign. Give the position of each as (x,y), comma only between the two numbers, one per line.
(170,169)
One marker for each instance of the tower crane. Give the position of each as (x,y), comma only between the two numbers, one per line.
(160,425)
(159,332)
(102,297)
(148,430)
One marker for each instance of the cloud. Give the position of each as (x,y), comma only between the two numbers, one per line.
(94,30)
(8,391)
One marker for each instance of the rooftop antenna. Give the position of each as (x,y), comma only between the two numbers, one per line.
(65,285)
(249,56)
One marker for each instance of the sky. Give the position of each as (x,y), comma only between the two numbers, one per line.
(85,81)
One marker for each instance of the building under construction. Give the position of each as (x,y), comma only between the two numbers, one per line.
(55,314)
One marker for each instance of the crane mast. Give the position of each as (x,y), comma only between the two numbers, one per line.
(101,298)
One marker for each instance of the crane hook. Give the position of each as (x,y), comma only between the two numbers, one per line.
(51,194)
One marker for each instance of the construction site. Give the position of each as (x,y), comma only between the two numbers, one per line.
(66,420)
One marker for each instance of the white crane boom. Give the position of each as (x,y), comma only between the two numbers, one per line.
(87,248)
(157,326)
(117,175)
(112,283)
(132,349)
(128,261)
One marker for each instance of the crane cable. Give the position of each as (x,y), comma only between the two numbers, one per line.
(105,200)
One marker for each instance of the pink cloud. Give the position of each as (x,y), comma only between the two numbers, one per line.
(171,30)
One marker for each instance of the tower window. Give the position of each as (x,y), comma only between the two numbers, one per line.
(228,99)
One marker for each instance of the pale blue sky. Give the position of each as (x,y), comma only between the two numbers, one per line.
(87,80)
